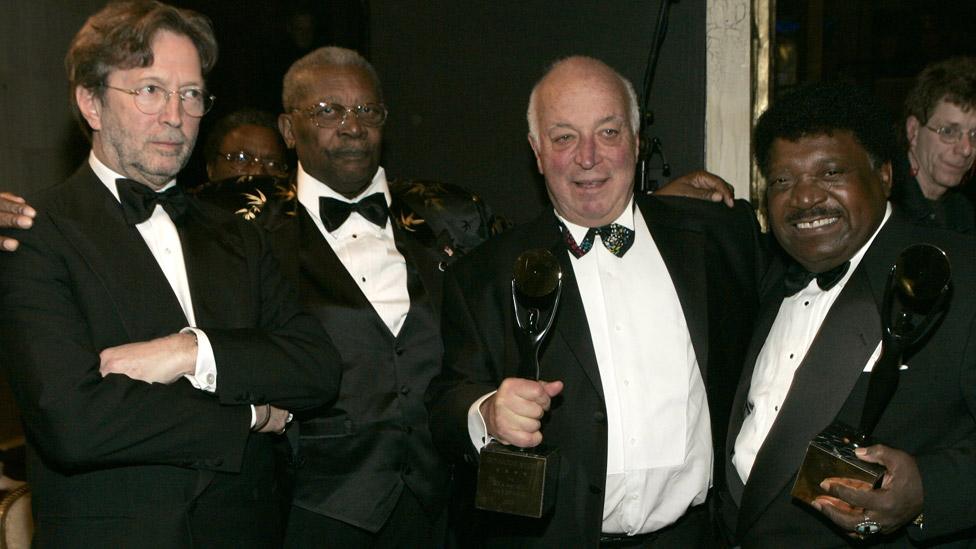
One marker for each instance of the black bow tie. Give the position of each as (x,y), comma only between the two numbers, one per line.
(138,201)
(334,212)
(798,277)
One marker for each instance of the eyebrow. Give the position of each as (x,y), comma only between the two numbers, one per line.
(600,122)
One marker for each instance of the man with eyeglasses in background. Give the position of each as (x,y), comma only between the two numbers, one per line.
(245,142)
(365,471)
(246,162)
(150,341)
(940,129)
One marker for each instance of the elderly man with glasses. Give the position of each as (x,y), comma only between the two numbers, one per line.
(365,470)
(150,341)
(941,131)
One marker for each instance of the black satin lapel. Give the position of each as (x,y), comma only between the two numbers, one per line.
(321,264)
(764,321)
(92,220)
(683,251)
(836,359)
(216,270)
(424,263)
(570,325)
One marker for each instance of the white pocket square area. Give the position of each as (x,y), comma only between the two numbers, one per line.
(874,358)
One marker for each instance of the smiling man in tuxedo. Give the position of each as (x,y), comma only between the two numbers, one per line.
(151,342)
(826,153)
(657,301)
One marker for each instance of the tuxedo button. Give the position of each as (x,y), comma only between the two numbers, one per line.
(600,417)
(407,429)
(404,390)
(399,352)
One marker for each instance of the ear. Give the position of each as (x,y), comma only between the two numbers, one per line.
(210,169)
(535,150)
(286,129)
(884,173)
(89,106)
(912,126)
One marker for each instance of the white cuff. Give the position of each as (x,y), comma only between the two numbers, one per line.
(205,373)
(477,429)
(254,416)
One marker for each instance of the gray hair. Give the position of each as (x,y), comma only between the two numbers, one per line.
(294,87)
(633,106)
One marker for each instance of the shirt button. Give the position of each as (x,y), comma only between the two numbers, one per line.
(633,441)
(355,236)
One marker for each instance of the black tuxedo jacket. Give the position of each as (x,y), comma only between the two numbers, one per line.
(353,460)
(712,255)
(116,462)
(932,415)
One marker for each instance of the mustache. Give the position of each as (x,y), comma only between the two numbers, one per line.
(819,211)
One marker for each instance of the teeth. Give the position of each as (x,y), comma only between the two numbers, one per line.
(816,223)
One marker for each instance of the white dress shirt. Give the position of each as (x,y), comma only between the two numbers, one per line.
(367,251)
(793,331)
(659,445)
(163,241)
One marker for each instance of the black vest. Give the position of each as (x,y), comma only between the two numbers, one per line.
(354,459)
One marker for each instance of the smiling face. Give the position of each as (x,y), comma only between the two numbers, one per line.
(941,166)
(150,149)
(824,198)
(585,147)
(344,157)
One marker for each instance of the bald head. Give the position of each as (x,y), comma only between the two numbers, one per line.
(580,70)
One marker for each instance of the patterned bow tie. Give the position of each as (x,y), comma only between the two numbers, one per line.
(138,201)
(334,212)
(616,238)
(798,277)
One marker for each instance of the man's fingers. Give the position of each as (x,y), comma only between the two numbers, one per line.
(854,492)
(552,388)
(8,244)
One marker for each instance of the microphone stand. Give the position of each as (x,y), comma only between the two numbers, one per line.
(652,146)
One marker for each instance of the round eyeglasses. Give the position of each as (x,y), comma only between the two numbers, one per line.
(950,135)
(333,115)
(242,159)
(151,99)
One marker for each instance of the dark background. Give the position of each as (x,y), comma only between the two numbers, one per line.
(457,75)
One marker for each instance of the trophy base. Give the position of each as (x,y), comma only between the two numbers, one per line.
(517,481)
(831,454)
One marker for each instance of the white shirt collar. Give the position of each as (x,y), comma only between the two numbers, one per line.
(108,176)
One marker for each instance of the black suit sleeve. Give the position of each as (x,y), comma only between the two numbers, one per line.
(287,359)
(55,318)
(949,474)
(469,372)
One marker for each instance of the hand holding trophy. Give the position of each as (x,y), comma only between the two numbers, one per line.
(915,298)
(515,480)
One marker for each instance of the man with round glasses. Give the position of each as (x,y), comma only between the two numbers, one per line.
(245,142)
(150,342)
(941,132)
(368,260)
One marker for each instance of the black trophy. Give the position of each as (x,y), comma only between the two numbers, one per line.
(522,481)
(915,297)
